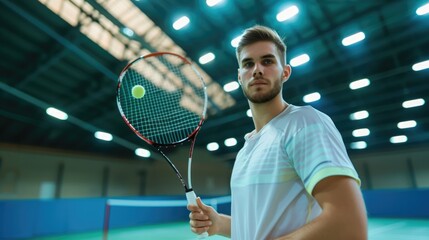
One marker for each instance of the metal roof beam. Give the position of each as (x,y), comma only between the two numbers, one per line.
(64,41)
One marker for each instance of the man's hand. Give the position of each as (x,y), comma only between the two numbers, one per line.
(204,218)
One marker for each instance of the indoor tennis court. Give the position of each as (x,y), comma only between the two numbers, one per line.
(110,110)
(379,229)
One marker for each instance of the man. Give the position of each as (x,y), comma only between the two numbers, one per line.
(293,178)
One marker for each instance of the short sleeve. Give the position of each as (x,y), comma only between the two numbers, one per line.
(317,151)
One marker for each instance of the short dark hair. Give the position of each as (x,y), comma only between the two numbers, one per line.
(259,33)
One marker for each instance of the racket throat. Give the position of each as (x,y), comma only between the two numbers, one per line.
(179,176)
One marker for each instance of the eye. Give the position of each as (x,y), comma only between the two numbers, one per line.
(267,61)
(248,64)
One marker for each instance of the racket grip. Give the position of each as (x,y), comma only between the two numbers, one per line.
(192,200)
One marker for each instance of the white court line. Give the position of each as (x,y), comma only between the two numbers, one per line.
(386,228)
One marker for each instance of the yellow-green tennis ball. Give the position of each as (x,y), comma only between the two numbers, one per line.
(138,91)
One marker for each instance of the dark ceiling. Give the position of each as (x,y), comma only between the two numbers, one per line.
(47,62)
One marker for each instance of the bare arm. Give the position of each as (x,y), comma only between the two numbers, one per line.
(343,212)
(204,218)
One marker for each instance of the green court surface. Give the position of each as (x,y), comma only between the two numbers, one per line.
(379,229)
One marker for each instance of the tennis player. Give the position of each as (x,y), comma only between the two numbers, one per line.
(293,178)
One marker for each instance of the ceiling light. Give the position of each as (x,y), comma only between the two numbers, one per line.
(230,142)
(212,3)
(352,39)
(301,59)
(127,32)
(407,124)
(423,10)
(287,13)
(312,97)
(413,103)
(359,115)
(359,84)
(362,132)
(206,58)
(181,23)
(358,145)
(421,66)
(249,113)
(398,139)
(53,112)
(213,146)
(236,41)
(231,86)
(103,136)
(142,152)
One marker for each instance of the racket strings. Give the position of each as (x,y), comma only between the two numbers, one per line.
(162,115)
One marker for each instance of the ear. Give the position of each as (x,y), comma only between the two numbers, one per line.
(287,71)
(238,76)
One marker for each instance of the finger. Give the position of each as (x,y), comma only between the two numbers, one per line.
(198,216)
(202,206)
(193,208)
(200,224)
(200,230)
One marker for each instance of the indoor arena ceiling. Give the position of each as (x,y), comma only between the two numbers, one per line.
(68,54)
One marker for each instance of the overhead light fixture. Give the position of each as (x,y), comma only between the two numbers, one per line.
(231,86)
(141,152)
(358,145)
(213,146)
(423,10)
(103,136)
(127,32)
(352,39)
(287,13)
(236,41)
(206,58)
(407,124)
(249,113)
(212,3)
(53,112)
(230,142)
(398,139)
(181,23)
(413,103)
(359,84)
(362,132)
(359,115)
(421,66)
(301,59)
(312,97)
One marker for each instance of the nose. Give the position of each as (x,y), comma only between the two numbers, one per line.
(257,70)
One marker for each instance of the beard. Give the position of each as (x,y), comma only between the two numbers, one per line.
(260,97)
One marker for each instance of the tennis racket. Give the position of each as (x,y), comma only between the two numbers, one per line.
(163,99)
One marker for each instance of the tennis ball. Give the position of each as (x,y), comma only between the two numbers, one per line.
(138,91)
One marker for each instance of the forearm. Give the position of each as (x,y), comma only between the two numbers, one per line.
(327,227)
(224,225)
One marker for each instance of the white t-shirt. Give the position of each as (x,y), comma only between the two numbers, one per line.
(276,170)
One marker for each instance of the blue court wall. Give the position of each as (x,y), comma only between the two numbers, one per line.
(34,218)
(21,219)
(402,203)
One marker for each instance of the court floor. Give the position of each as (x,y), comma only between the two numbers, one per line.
(379,229)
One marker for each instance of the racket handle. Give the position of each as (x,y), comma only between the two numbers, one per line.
(192,200)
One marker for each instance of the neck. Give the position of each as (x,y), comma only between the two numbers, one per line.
(262,113)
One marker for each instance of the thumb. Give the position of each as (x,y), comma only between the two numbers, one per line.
(202,206)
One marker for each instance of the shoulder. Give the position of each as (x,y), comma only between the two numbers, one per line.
(306,115)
